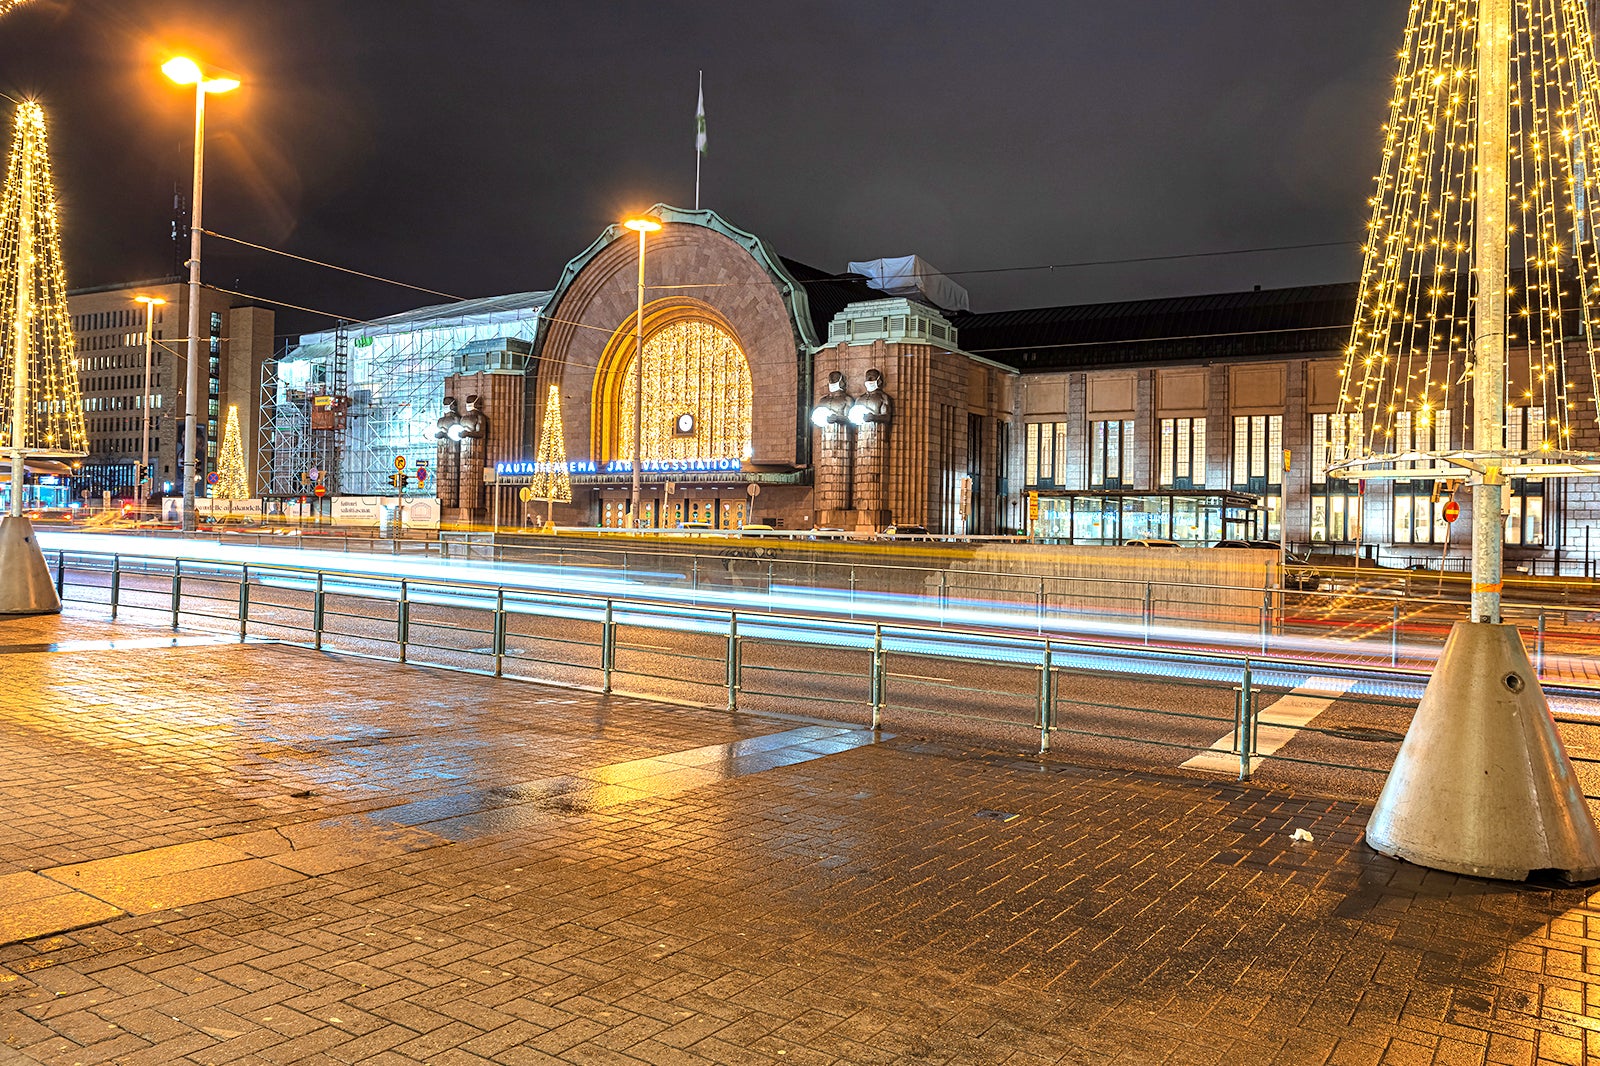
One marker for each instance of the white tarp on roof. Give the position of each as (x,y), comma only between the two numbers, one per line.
(912,275)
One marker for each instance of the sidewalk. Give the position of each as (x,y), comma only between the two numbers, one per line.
(224,853)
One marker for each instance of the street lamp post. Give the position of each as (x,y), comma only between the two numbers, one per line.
(640,224)
(187,72)
(146,482)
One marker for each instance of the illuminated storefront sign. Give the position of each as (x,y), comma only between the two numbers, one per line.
(528,468)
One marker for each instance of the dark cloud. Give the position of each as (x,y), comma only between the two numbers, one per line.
(474,146)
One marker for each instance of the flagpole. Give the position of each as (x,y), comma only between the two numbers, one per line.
(699,137)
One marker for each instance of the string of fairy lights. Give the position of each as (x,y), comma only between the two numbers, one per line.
(1408,366)
(53,415)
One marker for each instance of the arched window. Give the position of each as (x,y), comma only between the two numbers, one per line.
(697,395)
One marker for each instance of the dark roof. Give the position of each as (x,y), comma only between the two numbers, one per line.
(829,293)
(1311,318)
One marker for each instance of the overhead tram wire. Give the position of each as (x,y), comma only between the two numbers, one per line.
(355,321)
(1051,266)
(1078,265)
(330,266)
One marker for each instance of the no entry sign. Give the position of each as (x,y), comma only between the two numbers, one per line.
(1452,511)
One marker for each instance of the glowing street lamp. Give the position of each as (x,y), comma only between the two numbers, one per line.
(150,304)
(640,224)
(186,71)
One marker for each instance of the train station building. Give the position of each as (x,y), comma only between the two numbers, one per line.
(782,394)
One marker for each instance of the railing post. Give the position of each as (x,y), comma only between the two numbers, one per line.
(877,674)
(1038,614)
(1246,724)
(499,631)
(1148,612)
(116,584)
(733,661)
(694,574)
(1394,637)
(318,605)
(1266,606)
(244,600)
(61,574)
(944,594)
(177,589)
(1047,700)
(1539,646)
(402,617)
(608,646)
(769,583)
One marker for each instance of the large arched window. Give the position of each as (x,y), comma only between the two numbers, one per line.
(697,396)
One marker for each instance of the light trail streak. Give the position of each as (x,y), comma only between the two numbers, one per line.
(840,619)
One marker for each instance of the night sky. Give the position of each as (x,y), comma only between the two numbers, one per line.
(474,146)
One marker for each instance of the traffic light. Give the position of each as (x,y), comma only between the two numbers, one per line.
(398,480)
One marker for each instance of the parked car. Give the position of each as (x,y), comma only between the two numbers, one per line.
(1265,545)
(756,527)
(1150,542)
(905,531)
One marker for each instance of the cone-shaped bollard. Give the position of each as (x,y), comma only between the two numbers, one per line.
(25,585)
(1482,785)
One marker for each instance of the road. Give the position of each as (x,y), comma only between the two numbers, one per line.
(1132,707)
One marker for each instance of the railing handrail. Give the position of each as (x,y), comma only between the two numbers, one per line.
(1027,636)
(674,552)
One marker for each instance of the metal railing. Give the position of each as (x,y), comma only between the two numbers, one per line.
(1392,617)
(880,674)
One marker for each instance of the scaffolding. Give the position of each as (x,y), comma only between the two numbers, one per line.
(347,402)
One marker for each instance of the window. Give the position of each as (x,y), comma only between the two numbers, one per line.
(1045,459)
(1419,504)
(1525,431)
(1258,462)
(1111,454)
(1335,501)
(1182,460)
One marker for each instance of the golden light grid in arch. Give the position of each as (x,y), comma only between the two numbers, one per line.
(1409,355)
(691,366)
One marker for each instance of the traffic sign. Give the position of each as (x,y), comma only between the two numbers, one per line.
(422,473)
(316,475)
(321,489)
(211,478)
(399,462)
(525,494)
(1452,511)
(753,489)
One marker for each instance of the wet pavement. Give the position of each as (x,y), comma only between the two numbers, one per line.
(224,853)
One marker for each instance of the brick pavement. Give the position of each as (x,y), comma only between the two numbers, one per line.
(473,871)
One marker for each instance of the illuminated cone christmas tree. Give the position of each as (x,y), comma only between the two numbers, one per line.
(38,374)
(1472,360)
(232,481)
(550,480)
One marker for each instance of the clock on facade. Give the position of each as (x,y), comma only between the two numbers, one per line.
(685,424)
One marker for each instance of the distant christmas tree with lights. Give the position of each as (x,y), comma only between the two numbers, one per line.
(550,480)
(232,481)
(33,304)
(7,6)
